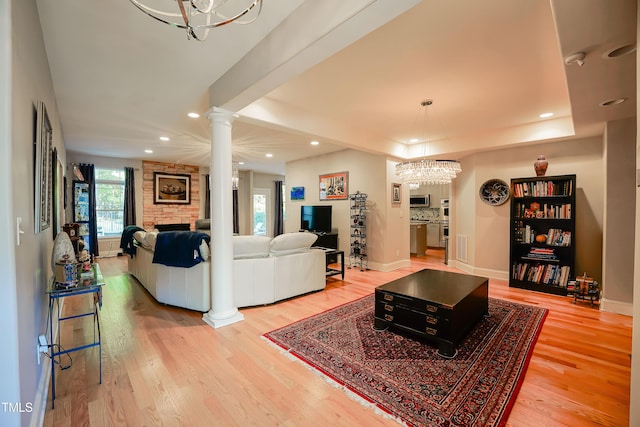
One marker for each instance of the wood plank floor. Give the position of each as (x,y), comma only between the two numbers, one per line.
(165,366)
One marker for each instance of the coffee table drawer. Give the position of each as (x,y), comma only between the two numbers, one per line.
(426,307)
(419,322)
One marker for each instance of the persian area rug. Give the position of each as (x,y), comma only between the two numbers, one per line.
(404,376)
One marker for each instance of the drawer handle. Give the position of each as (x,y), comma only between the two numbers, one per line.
(388,307)
(432,308)
(432,320)
(388,297)
(431,331)
(388,317)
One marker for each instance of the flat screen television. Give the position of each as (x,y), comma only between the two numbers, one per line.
(316,218)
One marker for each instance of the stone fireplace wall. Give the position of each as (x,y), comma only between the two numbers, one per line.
(169,213)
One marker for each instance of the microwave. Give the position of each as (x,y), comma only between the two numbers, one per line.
(419,201)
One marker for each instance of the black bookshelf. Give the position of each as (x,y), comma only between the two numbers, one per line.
(542,242)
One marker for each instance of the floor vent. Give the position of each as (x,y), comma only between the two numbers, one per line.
(461,247)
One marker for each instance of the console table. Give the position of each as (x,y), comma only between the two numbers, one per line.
(438,305)
(88,283)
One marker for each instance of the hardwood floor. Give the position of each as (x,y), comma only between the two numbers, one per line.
(165,366)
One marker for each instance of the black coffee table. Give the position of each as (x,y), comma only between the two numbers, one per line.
(438,305)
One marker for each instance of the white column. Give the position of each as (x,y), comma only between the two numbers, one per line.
(223,310)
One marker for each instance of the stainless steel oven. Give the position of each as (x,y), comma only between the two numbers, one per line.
(444,210)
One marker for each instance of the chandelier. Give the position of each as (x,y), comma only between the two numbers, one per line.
(427,171)
(199,16)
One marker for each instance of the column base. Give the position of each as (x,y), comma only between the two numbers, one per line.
(222,319)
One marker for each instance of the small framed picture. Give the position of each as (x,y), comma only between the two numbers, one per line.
(396,194)
(297,193)
(171,188)
(334,186)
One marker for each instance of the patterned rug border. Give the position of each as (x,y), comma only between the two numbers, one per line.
(378,408)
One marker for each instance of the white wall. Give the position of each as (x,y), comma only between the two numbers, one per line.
(10,356)
(30,83)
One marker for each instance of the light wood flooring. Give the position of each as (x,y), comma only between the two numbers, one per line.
(165,366)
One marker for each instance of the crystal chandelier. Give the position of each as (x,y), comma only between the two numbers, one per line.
(427,171)
(199,16)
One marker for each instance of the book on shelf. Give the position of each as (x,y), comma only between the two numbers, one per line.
(542,274)
(543,188)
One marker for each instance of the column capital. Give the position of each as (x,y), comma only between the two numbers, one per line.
(220,114)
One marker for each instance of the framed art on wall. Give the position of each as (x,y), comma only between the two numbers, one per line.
(42,169)
(171,188)
(334,186)
(297,193)
(396,194)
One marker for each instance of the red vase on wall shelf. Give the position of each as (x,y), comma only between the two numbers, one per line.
(540,165)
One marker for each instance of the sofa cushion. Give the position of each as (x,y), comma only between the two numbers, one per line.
(290,243)
(141,238)
(250,247)
(151,238)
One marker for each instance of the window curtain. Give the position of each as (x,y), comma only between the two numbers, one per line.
(278,225)
(236,222)
(89,174)
(129,198)
(207,198)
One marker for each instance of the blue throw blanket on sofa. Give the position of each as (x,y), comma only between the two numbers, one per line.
(179,248)
(126,240)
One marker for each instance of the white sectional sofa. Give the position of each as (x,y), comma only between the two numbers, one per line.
(265,270)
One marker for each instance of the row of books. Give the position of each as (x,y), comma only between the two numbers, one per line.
(543,188)
(541,254)
(557,237)
(547,211)
(543,274)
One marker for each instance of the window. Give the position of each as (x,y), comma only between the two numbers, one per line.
(109,201)
(261,209)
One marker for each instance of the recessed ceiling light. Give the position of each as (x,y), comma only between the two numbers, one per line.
(241,163)
(164,138)
(268,155)
(315,143)
(193,115)
(620,51)
(611,102)
(545,115)
(414,140)
(148,151)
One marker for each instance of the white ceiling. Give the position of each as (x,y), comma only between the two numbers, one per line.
(339,73)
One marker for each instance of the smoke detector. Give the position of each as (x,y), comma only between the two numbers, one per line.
(576,58)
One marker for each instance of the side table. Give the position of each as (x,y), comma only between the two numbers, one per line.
(88,283)
(330,255)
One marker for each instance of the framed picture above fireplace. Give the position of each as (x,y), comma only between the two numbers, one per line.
(171,188)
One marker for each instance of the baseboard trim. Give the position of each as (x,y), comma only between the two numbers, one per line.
(487,272)
(390,266)
(42,392)
(617,307)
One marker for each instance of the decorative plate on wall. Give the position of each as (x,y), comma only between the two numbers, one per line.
(494,192)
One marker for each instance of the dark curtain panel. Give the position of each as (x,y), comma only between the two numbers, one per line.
(278,225)
(236,223)
(89,174)
(129,198)
(207,199)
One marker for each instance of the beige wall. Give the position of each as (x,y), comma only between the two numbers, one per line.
(30,83)
(387,238)
(487,227)
(619,218)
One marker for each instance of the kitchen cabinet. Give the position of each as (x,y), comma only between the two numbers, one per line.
(433,235)
(418,239)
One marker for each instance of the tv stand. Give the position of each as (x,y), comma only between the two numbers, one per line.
(326,240)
